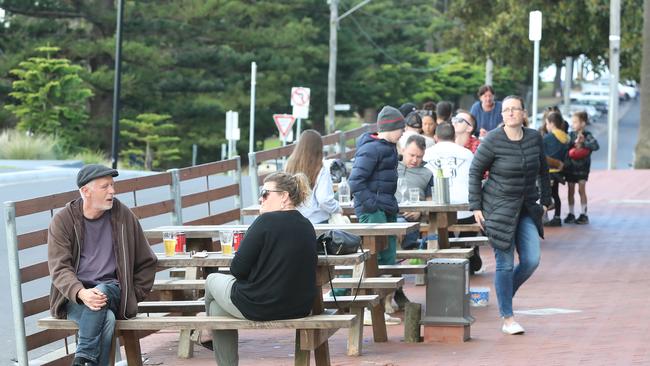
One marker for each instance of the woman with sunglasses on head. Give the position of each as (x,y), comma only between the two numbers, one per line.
(307,158)
(274,269)
(506,207)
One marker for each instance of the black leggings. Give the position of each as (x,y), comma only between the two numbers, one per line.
(555,192)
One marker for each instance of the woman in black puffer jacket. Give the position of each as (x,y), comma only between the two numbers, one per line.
(506,204)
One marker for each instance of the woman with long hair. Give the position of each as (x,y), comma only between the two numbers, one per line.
(307,158)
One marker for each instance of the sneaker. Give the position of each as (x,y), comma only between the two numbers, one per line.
(82,361)
(582,219)
(570,219)
(389,320)
(512,329)
(556,221)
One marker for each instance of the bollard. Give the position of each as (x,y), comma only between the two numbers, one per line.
(412,316)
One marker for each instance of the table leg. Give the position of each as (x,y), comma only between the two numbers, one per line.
(132,348)
(433,228)
(322,352)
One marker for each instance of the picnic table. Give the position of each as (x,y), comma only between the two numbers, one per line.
(441,216)
(374,239)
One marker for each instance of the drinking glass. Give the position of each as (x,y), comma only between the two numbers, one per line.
(226,241)
(414,195)
(169,241)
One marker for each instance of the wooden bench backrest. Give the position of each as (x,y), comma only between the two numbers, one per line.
(158,196)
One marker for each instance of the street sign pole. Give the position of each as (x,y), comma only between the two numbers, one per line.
(535,34)
(614,48)
(251,133)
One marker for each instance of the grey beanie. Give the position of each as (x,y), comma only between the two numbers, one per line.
(390,119)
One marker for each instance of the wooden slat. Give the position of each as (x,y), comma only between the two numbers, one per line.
(353,134)
(208,196)
(153,209)
(173,284)
(213,322)
(221,218)
(45,203)
(34,272)
(36,306)
(136,184)
(332,138)
(179,306)
(204,170)
(368,282)
(260,178)
(361,301)
(44,337)
(276,153)
(350,154)
(33,239)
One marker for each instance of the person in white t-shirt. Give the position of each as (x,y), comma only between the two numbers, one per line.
(454,160)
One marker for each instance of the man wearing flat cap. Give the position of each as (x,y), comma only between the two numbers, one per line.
(100,263)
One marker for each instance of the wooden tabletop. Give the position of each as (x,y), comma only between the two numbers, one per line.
(420,206)
(218,259)
(212,231)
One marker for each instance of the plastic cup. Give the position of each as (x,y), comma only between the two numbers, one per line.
(226,241)
(169,241)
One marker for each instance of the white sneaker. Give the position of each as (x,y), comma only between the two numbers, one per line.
(390,306)
(367,319)
(512,329)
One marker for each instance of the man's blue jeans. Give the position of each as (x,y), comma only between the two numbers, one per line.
(96,327)
(509,278)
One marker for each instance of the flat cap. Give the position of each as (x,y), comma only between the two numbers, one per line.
(93,171)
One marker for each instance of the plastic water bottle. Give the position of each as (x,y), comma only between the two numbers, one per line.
(344,191)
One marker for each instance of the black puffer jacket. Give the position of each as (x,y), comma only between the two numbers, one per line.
(514,167)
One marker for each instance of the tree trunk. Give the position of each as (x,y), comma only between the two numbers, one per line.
(557,82)
(642,160)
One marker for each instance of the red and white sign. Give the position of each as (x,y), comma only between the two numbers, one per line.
(284,123)
(300,96)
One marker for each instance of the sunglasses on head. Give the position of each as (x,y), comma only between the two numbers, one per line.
(264,193)
(460,120)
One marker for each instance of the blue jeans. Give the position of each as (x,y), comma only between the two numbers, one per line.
(96,327)
(509,278)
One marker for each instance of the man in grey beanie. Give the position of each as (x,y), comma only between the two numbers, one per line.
(373,180)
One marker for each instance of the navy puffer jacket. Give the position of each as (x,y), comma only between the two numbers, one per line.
(373,180)
(515,168)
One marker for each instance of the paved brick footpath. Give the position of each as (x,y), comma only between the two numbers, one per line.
(601,271)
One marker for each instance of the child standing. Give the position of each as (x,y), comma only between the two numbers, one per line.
(578,165)
(556,145)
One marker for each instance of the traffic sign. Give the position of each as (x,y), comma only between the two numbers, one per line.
(300,96)
(300,111)
(284,122)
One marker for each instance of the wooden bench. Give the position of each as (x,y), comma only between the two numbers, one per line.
(427,254)
(469,241)
(356,306)
(369,283)
(311,331)
(465,228)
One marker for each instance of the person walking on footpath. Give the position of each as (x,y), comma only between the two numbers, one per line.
(273,273)
(486,110)
(373,179)
(307,158)
(556,146)
(100,262)
(577,166)
(506,207)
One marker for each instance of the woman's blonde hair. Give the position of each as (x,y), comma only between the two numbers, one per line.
(307,156)
(297,185)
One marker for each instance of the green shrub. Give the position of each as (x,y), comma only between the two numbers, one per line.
(91,157)
(20,146)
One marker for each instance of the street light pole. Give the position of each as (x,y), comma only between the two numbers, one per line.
(614,47)
(331,73)
(117,83)
(535,34)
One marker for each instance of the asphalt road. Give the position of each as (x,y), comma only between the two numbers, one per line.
(17,183)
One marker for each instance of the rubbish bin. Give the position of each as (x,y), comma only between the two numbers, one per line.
(447,293)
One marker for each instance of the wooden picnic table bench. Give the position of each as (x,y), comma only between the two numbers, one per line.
(312,331)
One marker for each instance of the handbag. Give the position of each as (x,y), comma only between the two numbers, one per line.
(337,242)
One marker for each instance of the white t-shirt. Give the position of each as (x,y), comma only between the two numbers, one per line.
(455,161)
(321,203)
(402,141)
